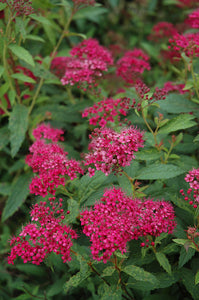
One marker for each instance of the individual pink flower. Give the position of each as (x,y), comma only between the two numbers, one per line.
(45,234)
(193,19)
(192,194)
(107,110)
(87,63)
(132,65)
(162,30)
(110,150)
(116,219)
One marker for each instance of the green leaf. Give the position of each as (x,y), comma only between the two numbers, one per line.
(175,104)
(197,277)
(185,256)
(3,6)
(180,241)
(196,139)
(150,154)
(159,171)
(108,271)
(23,77)
(3,89)
(4,188)
(22,53)
(75,280)
(125,184)
(34,38)
(18,124)
(178,123)
(112,292)
(163,261)
(1,70)
(4,137)
(19,192)
(140,274)
(188,280)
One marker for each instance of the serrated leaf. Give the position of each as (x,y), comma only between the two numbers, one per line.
(163,261)
(180,241)
(18,124)
(19,192)
(111,293)
(185,256)
(159,171)
(140,274)
(178,123)
(151,154)
(108,271)
(75,280)
(196,139)
(22,53)
(23,77)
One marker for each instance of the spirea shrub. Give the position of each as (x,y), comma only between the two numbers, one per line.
(99,149)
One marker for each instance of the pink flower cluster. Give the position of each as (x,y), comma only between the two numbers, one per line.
(193,19)
(45,234)
(110,150)
(170,86)
(107,110)
(88,61)
(117,219)
(162,30)
(187,43)
(50,161)
(192,194)
(132,65)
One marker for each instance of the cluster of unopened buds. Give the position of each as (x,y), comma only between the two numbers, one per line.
(20,7)
(192,194)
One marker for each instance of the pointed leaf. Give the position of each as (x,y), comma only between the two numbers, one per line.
(163,261)
(22,53)
(140,274)
(180,122)
(23,77)
(19,192)
(159,171)
(18,124)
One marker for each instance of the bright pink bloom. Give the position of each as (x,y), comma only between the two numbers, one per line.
(193,192)
(50,161)
(45,131)
(117,219)
(88,61)
(193,19)
(45,234)
(132,65)
(187,43)
(162,30)
(110,150)
(107,110)
(170,86)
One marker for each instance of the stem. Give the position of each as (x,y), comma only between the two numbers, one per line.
(120,277)
(150,129)
(5,63)
(194,80)
(64,33)
(169,152)
(38,297)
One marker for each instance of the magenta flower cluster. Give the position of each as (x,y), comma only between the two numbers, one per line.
(193,19)
(132,65)
(45,234)
(187,43)
(87,63)
(117,219)
(192,194)
(110,150)
(107,110)
(162,30)
(50,161)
